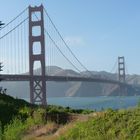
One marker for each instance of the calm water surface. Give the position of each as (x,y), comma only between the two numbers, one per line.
(97,103)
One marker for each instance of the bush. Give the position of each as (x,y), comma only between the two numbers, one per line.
(0,131)
(108,125)
(14,130)
(18,126)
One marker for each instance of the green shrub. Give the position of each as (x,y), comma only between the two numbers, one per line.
(13,131)
(39,116)
(10,108)
(109,125)
(0,131)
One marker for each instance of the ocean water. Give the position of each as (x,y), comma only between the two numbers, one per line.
(95,103)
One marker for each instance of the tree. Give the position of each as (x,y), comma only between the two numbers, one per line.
(1,24)
(1,66)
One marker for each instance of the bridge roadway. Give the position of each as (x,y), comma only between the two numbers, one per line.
(6,77)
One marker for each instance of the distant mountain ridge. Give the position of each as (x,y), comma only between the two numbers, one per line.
(73,89)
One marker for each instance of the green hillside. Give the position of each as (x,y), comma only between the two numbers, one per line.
(9,107)
(108,125)
(17,116)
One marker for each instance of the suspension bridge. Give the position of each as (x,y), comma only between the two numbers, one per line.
(30,41)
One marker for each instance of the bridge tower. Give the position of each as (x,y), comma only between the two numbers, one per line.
(121,69)
(121,74)
(37,83)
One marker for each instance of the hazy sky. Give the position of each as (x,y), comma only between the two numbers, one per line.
(98,31)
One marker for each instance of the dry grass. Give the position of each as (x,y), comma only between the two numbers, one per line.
(41,131)
(53,131)
(61,131)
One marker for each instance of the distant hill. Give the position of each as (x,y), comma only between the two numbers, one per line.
(78,89)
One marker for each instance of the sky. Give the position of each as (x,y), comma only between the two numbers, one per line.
(97,31)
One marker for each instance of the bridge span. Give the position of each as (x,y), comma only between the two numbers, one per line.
(6,77)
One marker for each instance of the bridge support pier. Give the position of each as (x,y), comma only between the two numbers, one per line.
(37,85)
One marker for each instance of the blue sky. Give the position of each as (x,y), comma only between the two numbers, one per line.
(98,31)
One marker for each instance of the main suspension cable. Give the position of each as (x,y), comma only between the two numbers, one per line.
(59,48)
(14,18)
(66,43)
(13,28)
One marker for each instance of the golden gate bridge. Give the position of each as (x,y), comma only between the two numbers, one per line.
(30,41)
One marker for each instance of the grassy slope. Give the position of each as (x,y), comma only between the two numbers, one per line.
(17,116)
(52,131)
(108,125)
(9,107)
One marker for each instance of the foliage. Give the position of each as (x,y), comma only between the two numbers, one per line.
(17,116)
(108,125)
(18,126)
(9,108)
(138,104)
(64,110)
(0,131)
(13,130)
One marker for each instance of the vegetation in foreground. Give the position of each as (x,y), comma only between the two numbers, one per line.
(108,125)
(18,116)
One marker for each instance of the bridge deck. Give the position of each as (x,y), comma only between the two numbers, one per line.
(6,77)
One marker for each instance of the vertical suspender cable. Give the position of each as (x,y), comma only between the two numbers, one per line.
(8,51)
(22,49)
(16,50)
(26,50)
(11,46)
(14,60)
(18,55)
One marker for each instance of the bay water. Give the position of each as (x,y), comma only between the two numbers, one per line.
(95,103)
